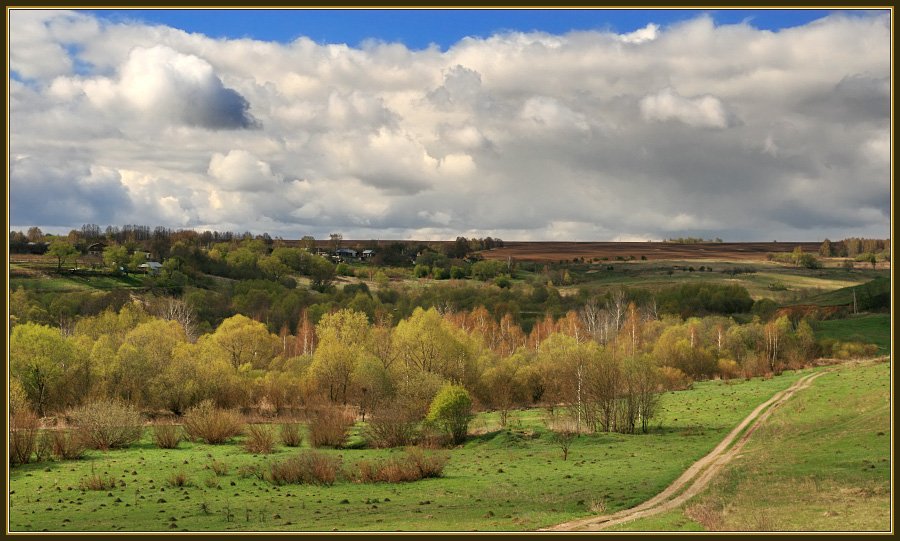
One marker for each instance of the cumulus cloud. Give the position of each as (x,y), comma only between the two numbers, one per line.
(702,111)
(693,129)
(240,170)
(161,83)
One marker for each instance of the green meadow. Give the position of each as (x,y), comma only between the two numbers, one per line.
(510,479)
(822,462)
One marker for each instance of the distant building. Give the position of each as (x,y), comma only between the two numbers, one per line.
(346,252)
(96,248)
(366,254)
(151,267)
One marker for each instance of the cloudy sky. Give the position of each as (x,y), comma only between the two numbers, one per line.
(527,126)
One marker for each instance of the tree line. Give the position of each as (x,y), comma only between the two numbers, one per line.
(604,364)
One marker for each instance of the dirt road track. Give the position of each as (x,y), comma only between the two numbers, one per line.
(695,478)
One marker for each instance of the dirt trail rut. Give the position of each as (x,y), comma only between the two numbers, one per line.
(695,478)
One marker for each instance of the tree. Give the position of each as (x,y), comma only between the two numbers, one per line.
(116,257)
(34,234)
(343,340)
(274,266)
(825,250)
(40,357)
(143,358)
(451,411)
(336,239)
(502,388)
(321,273)
(308,242)
(246,342)
(62,251)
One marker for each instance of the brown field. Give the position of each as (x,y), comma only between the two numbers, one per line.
(555,251)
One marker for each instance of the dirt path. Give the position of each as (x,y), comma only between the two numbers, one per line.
(695,478)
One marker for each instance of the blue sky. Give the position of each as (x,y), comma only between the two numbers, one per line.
(418,28)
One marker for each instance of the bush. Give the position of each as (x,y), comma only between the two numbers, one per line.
(673,379)
(391,426)
(207,423)
(107,424)
(179,479)
(290,435)
(97,482)
(219,468)
(309,467)
(66,444)
(167,435)
(328,427)
(43,449)
(429,466)
(23,431)
(260,439)
(412,466)
(451,411)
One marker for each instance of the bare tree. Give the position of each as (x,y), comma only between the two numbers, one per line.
(590,315)
(172,309)
(617,305)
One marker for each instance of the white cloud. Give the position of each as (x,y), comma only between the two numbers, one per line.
(647,33)
(240,170)
(693,129)
(702,111)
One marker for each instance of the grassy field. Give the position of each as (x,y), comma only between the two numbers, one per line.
(867,328)
(820,463)
(50,281)
(499,480)
(784,284)
(880,284)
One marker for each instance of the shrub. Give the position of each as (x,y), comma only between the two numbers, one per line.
(451,411)
(397,470)
(107,424)
(260,439)
(309,467)
(43,449)
(429,466)
(23,431)
(96,481)
(178,479)
(207,423)
(328,427)
(167,435)
(365,471)
(66,444)
(290,434)
(219,468)
(673,379)
(412,466)
(249,470)
(391,426)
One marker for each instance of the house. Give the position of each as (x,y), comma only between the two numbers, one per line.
(96,248)
(151,267)
(345,252)
(366,254)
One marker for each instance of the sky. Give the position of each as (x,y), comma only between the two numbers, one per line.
(572,125)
